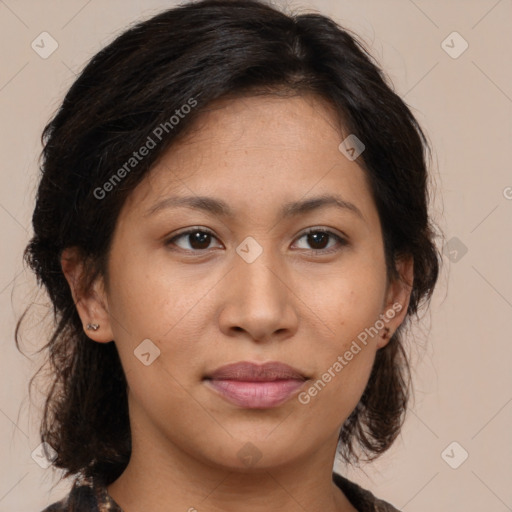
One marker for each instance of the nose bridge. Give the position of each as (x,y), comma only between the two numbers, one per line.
(258,276)
(257,299)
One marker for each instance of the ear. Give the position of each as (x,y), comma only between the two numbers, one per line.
(91,303)
(397,299)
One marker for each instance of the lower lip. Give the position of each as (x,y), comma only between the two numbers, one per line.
(257,395)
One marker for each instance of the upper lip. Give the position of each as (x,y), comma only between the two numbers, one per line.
(256,372)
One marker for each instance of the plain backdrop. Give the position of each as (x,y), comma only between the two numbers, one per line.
(451,62)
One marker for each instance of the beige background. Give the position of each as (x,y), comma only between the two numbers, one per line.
(462,349)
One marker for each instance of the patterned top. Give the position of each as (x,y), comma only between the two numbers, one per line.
(87,495)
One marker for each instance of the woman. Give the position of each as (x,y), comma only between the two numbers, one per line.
(232,226)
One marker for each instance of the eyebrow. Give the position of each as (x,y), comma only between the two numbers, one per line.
(220,208)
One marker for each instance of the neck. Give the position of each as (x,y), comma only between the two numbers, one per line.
(171,480)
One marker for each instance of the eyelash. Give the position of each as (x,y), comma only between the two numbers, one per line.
(341,241)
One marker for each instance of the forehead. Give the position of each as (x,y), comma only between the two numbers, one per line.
(259,152)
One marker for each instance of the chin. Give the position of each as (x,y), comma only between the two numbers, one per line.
(243,453)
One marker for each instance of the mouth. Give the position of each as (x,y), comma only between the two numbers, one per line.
(256,386)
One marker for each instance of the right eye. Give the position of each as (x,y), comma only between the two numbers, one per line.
(197,239)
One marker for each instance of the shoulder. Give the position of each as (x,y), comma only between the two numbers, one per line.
(361,498)
(79,499)
(58,506)
(85,496)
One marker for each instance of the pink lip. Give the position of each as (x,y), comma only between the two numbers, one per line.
(256,386)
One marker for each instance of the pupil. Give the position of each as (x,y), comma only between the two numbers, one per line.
(315,236)
(200,236)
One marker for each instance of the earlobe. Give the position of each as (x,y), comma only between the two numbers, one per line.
(397,300)
(91,302)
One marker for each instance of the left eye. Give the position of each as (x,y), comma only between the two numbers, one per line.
(319,237)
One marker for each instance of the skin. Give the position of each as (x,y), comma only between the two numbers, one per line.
(208,308)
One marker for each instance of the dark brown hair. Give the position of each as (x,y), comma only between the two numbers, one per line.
(208,50)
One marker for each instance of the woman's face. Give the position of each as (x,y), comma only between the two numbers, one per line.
(248,285)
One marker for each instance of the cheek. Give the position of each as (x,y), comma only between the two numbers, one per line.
(347,301)
(149,303)
(149,300)
(345,348)
(337,387)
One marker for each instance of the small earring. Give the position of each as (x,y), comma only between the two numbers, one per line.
(92,327)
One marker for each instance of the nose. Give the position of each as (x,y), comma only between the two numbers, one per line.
(258,301)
